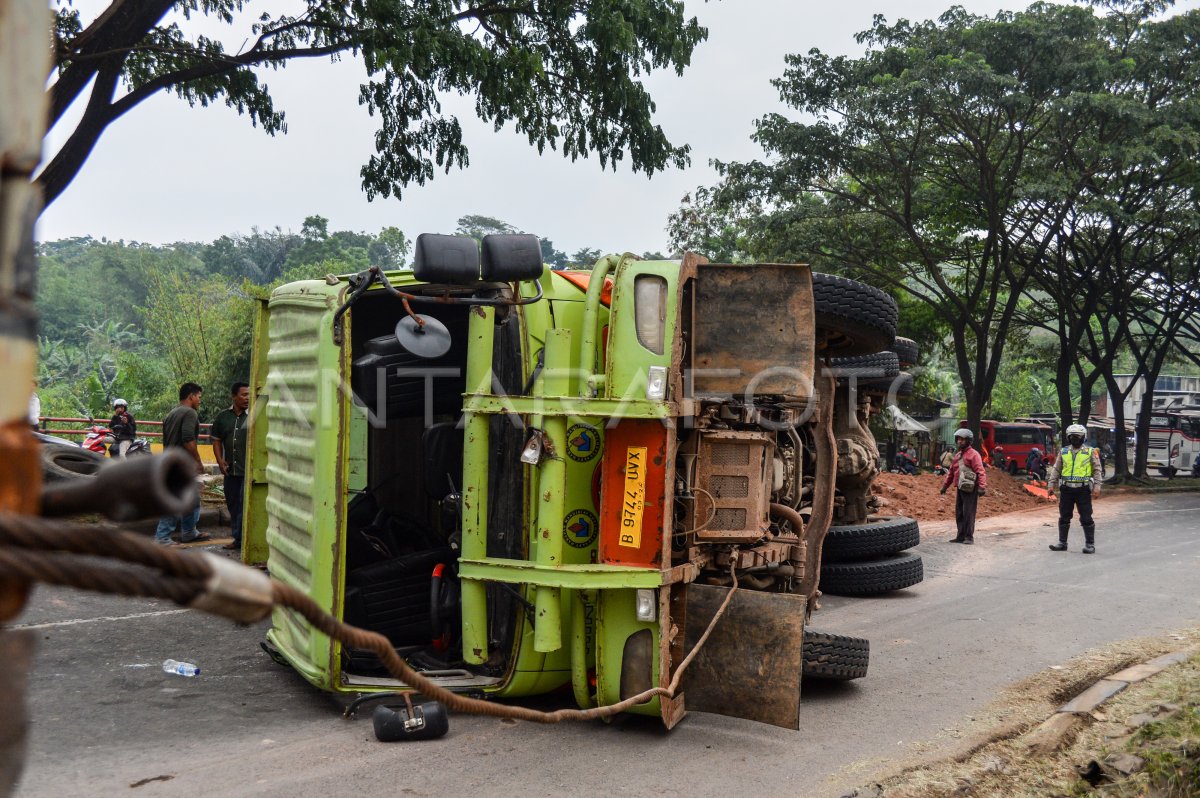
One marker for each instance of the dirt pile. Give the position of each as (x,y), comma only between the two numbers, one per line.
(918,497)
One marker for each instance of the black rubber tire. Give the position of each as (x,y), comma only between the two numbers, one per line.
(872,577)
(861,318)
(836,657)
(68,462)
(859,541)
(880,364)
(901,385)
(907,351)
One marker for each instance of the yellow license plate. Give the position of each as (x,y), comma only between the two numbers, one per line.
(634,499)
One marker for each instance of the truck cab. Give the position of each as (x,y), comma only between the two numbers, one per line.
(532,480)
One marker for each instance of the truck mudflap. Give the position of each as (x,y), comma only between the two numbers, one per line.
(751,664)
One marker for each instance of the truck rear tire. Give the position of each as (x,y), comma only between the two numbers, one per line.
(900,384)
(859,541)
(907,351)
(835,657)
(880,364)
(860,318)
(872,577)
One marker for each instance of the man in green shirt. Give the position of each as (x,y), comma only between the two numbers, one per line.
(181,430)
(229,445)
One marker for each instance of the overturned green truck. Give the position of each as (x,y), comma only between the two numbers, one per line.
(532,480)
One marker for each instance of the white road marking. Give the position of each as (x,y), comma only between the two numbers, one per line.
(77,621)
(1143,512)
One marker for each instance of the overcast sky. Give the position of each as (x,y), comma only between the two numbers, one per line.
(166,172)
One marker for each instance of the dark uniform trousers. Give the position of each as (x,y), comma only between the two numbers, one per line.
(1070,498)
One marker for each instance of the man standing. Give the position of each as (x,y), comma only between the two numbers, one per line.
(967,501)
(229,445)
(181,430)
(1078,469)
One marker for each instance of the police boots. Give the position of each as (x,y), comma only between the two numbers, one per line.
(1089,537)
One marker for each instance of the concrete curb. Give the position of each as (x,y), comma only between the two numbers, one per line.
(1059,727)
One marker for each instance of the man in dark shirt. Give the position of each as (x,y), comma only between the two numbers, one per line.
(181,430)
(229,445)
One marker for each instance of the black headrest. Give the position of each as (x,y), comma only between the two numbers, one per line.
(446,259)
(512,258)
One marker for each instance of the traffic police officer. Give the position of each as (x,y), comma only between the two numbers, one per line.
(1078,471)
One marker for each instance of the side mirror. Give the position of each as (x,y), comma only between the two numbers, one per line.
(512,258)
(446,259)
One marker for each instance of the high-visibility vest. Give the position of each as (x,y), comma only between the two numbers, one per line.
(1076,466)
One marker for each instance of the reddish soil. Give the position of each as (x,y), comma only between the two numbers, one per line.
(918,497)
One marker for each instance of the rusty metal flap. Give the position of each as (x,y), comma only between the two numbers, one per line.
(751,663)
(753,330)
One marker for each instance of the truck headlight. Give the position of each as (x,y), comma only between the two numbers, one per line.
(650,311)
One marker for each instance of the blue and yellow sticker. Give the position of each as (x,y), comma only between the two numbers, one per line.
(583,443)
(580,528)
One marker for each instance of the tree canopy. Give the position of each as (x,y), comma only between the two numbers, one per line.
(991,169)
(564,74)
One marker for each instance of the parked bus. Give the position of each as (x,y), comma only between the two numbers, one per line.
(1016,439)
(1174,442)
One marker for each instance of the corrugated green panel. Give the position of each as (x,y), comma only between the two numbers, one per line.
(304,455)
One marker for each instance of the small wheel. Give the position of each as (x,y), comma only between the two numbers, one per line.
(836,657)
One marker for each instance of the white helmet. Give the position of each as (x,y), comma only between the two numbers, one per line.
(120,403)
(964,433)
(1035,450)
(1077,429)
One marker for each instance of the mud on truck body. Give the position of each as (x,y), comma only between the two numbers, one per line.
(533,480)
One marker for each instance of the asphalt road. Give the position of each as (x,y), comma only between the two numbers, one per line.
(106,718)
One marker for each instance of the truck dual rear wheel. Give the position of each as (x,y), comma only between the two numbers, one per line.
(872,577)
(860,319)
(880,364)
(906,350)
(836,657)
(859,541)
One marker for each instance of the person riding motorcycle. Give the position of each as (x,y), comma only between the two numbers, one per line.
(1035,464)
(1078,471)
(123,427)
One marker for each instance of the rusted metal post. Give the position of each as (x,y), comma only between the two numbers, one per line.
(24,63)
(823,486)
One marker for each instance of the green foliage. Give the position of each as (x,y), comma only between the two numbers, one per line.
(565,75)
(134,320)
(204,327)
(584,258)
(957,160)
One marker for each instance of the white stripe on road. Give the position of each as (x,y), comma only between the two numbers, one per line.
(1143,512)
(76,621)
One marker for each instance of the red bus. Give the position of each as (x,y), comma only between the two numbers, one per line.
(1016,439)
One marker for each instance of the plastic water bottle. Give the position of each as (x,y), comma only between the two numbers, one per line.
(181,668)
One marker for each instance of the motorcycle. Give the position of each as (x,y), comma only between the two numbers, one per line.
(101,441)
